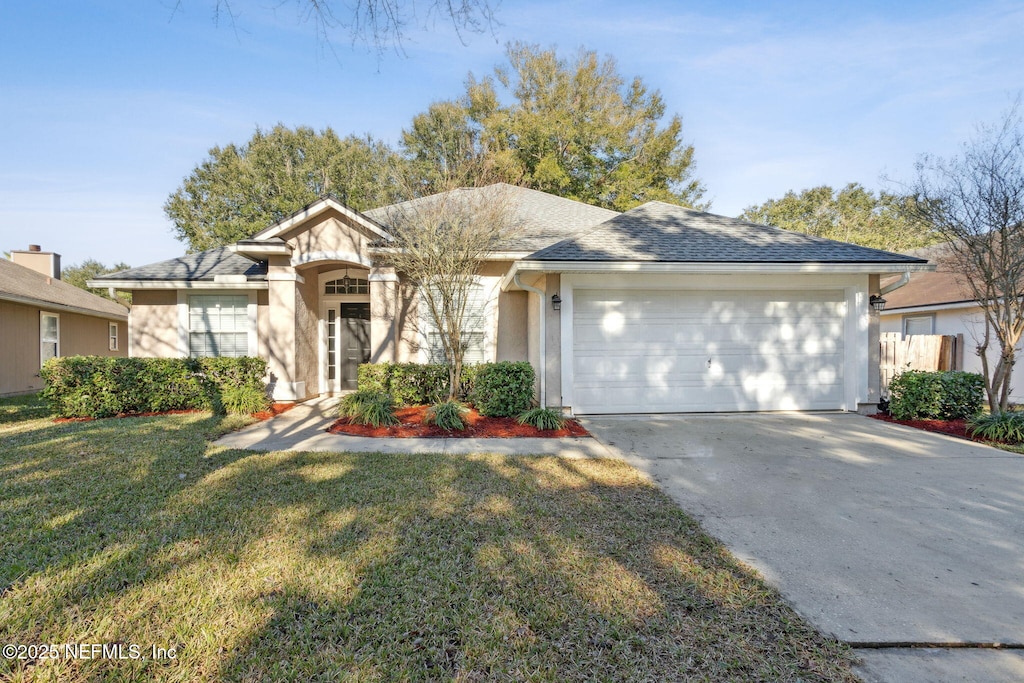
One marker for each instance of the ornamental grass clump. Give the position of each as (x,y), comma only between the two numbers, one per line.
(375,408)
(447,416)
(1006,426)
(542,418)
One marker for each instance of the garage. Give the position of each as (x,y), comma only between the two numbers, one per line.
(652,351)
(665,309)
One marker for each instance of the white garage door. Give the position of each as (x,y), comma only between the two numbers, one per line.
(689,351)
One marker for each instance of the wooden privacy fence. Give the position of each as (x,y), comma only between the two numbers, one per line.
(928,352)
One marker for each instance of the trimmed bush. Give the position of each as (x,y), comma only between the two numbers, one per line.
(503,389)
(408,383)
(953,395)
(376,408)
(1007,427)
(447,415)
(542,418)
(96,386)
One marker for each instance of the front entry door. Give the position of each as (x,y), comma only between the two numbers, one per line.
(354,346)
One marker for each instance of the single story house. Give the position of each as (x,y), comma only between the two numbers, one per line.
(940,302)
(658,309)
(41,317)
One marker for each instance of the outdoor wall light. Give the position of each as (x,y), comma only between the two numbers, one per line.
(556,302)
(877,303)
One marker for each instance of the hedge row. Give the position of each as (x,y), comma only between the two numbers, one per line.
(96,386)
(951,395)
(496,389)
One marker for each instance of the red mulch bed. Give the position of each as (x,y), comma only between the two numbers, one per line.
(478,427)
(956,428)
(275,409)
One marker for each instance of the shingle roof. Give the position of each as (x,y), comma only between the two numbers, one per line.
(26,285)
(542,219)
(929,289)
(202,266)
(657,231)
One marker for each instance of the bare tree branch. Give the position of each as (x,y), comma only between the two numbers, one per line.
(975,200)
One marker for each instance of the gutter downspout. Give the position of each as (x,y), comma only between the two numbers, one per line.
(543,339)
(896,285)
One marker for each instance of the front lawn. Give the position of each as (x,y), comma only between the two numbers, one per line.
(321,566)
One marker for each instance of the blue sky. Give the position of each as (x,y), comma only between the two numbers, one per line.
(105,106)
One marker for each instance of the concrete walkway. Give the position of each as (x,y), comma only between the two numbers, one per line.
(876,533)
(303,428)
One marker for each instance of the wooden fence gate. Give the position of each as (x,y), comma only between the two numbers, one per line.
(928,352)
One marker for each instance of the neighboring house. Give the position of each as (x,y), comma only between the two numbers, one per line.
(42,317)
(940,302)
(659,309)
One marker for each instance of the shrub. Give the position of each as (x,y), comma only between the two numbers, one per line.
(1007,426)
(376,408)
(94,386)
(935,395)
(408,383)
(542,418)
(447,415)
(503,389)
(243,400)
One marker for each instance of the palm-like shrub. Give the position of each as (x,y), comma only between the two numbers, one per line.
(375,408)
(1006,426)
(447,415)
(542,418)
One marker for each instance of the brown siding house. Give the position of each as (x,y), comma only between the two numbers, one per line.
(41,317)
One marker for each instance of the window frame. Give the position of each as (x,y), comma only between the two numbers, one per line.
(113,335)
(930,317)
(184,318)
(43,315)
(478,337)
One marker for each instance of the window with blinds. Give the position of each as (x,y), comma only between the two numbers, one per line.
(474,327)
(218,325)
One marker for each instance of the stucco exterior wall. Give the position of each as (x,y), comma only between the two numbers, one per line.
(512,336)
(19,343)
(331,235)
(307,352)
(154,324)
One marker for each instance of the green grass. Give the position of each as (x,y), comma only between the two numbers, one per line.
(24,407)
(358,567)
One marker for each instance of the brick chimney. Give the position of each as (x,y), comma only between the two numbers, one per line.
(45,262)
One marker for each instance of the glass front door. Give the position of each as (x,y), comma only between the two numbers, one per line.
(348,343)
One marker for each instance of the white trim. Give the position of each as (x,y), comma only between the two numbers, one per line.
(284,249)
(56,316)
(231,279)
(856,351)
(347,256)
(906,317)
(291,276)
(384,277)
(175,284)
(326,301)
(116,337)
(315,209)
(653,267)
(959,305)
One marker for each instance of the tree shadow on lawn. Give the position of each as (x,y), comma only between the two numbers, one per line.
(303,566)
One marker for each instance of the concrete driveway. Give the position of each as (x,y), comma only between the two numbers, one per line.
(877,534)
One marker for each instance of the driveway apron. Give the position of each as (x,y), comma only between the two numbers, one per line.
(878,534)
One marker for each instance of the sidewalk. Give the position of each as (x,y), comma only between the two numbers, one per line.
(303,428)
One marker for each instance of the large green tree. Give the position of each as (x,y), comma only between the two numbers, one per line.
(852,214)
(241,189)
(572,127)
(79,275)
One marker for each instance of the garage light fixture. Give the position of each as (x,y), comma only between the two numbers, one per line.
(556,302)
(877,303)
